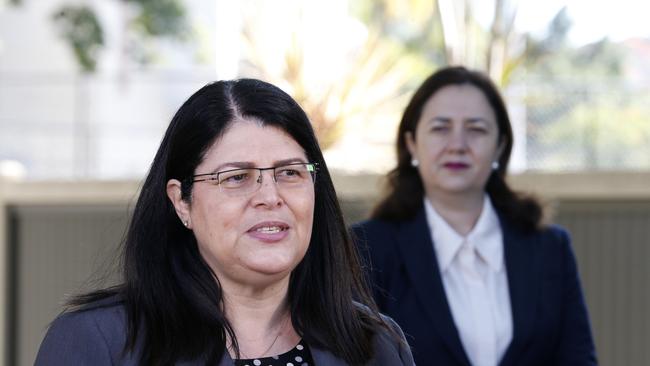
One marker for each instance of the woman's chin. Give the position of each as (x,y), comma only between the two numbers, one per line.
(271,267)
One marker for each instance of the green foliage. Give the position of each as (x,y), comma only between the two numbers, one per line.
(79,26)
(414,25)
(604,133)
(395,56)
(600,58)
(552,57)
(160,18)
(558,31)
(446,32)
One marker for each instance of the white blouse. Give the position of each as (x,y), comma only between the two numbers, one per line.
(476,284)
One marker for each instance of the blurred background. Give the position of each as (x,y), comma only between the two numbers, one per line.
(87,88)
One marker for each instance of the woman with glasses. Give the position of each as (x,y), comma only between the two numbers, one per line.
(236,254)
(460,261)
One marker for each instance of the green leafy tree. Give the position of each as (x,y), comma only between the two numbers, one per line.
(79,26)
(552,57)
(160,18)
(447,32)
(149,19)
(605,133)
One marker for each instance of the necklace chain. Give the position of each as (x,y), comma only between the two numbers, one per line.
(284,323)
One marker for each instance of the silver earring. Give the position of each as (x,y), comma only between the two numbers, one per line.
(185,223)
(495,165)
(414,162)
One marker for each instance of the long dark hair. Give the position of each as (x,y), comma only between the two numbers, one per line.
(405,189)
(173,303)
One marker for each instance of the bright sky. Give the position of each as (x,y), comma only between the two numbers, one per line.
(592,19)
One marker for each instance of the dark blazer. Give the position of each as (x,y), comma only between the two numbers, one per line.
(550,322)
(96,337)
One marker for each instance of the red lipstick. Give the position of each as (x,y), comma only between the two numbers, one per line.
(456,166)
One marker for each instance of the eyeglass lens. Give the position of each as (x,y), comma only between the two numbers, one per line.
(248,180)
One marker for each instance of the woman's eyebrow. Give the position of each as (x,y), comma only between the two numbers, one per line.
(247,164)
(232,165)
(442,119)
(476,120)
(288,161)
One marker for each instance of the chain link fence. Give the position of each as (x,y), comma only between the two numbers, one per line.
(595,125)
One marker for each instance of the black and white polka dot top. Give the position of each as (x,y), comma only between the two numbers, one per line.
(297,356)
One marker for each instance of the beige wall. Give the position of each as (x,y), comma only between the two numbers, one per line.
(361,191)
(610,185)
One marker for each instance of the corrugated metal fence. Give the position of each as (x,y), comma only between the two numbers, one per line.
(612,244)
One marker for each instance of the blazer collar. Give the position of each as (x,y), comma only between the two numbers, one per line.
(485,236)
(416,249)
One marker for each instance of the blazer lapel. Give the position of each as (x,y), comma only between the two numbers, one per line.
(523,282)
(416,248)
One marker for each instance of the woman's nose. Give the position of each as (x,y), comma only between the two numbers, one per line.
(457,140)
(268,193)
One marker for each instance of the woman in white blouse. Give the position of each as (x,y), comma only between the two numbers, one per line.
(457,258)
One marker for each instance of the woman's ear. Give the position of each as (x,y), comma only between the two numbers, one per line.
(182,207)
(410,143)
